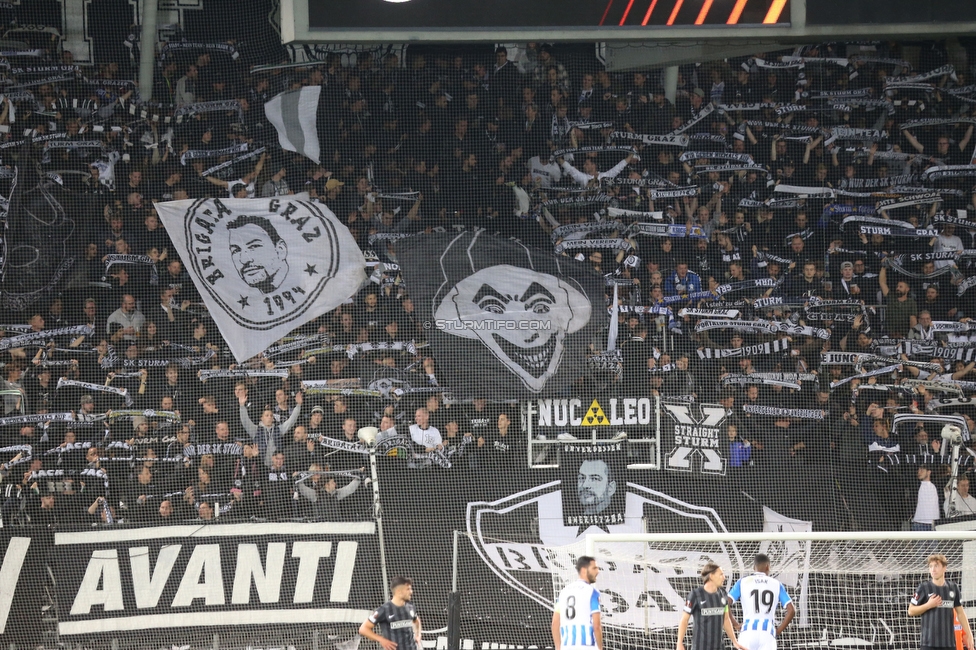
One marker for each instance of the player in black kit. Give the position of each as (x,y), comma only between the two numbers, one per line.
(935,601)
(398,623)
(709,604)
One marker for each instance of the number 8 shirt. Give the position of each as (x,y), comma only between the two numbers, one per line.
(577,603)
(759,594)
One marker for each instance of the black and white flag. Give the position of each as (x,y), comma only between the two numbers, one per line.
(264,266)
(293,114)
(519,317)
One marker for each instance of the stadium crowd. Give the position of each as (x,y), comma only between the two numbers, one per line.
(790,237)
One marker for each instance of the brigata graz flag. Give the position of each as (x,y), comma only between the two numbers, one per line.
(264,266)
(506,320)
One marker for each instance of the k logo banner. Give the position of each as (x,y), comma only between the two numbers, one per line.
(264,266)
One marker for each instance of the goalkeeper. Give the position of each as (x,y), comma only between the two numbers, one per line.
(709,605)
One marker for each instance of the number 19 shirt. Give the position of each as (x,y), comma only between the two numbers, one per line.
(759,594)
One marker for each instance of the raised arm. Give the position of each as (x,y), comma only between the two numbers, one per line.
(912,140)
(295,412)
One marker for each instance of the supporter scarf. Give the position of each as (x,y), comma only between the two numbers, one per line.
(816,59)
(144,260)
(770,347)
(771,327)
(702,114)
(352,349)
(230,163)
(238,373)
(835,358)
(75,144)
(742,106)
(941,71)
(825,192)
(760,283)
(775,302)
(196,154)
(170,416)
(739,379)
(732,169)
(24,340)
(121,392)
(779,412)
(936,121)
(608,361)
(14,328)
(655,310)
(955,387)
(877,183)
(709,313)
(672,193)
(299,344)
(845,133)
(879,221)
(762,63)
(952,326)
(562,153)
(588,244)
(839,94)
(787,109)
(301,477)
(603,226)
(895,264)
(660,140)
(864,374)
(56,79)
(948,171)
(863,358)
(636,182)
(910,85)
(665,230)
(796,128)
(36,418)
(174,47)
(636,214)
(941,217)
(743,158)
(328,387)
(914,199)
(26,452)
(566,200)
(960,93)
(823,311)
(889,231)
(932,404)
(966,285)
(112,360)
(878,60)
(211,107)
(934,349)
(387,236)
(586,126)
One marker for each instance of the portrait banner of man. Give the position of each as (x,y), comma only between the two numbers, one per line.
(597,472)
(264,266)
(519,317)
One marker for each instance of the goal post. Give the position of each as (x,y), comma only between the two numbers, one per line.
(849,589)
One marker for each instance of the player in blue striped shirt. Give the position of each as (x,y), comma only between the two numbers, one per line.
(576,619)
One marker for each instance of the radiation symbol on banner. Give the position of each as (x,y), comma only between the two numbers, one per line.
(595,417)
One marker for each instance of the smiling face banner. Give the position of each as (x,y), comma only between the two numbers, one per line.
(507,320)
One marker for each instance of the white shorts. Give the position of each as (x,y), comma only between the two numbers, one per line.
(757,640)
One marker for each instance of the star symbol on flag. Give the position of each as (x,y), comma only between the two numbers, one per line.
(243,301)
(310,269)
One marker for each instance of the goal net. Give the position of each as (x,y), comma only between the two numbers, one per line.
(849,591)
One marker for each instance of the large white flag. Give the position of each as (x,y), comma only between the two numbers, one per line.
(293,114)
(264,266)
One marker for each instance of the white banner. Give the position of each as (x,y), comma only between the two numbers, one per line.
(264,266)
